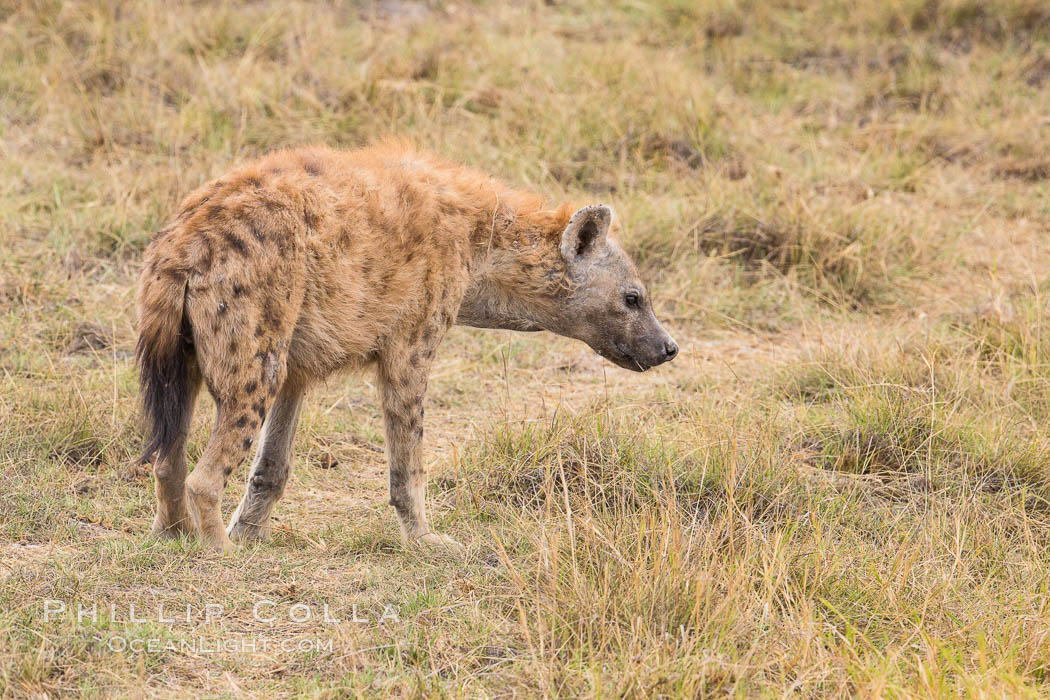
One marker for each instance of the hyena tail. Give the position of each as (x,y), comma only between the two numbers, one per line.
(164,353)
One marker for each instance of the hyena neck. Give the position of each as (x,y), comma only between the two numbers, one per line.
(502,293)
(486,305)
(517,273)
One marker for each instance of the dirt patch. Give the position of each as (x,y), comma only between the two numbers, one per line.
(397,11)
(681,152)
(82,451)
(962,23)
(724,25)
(18,556)
(88,338)
(1036,72)
(1026,169)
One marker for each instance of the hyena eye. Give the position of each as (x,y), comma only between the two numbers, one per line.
(631,299)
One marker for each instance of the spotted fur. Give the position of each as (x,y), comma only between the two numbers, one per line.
(311,261)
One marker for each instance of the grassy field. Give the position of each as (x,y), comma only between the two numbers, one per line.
(839,487)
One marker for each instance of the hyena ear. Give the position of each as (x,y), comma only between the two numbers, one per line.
(586,231)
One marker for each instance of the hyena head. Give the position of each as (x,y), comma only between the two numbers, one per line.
(606,305)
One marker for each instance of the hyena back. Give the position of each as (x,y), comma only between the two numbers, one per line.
(311,261)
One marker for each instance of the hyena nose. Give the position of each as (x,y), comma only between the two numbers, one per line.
(670,349)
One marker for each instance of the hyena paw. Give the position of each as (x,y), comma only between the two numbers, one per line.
(240,531)
(165,530)
(217,541)
(221,544)
(434,541)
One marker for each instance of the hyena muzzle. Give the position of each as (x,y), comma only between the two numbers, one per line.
(311,261)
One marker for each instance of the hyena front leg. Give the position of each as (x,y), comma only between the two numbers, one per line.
(402,383)
(270,470)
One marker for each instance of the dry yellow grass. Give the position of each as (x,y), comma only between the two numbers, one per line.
(840,487)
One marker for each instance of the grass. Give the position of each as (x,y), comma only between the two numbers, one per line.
(839,487)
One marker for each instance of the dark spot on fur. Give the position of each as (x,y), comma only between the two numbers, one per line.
(260,408)
(190,209)
(238,289)
(251,386)
(414,360)
(223,308)
(398,496)
(214,213)
(418,432)
(271,319)
(235,242)
(388,277)
(261,483)
(259,331)
(242,421)
(408,258)
(407,194)
(173,275)
(233,346)
(252,181)
(257,234)
(238,212)
(428,334)
(207,256)
(247,442)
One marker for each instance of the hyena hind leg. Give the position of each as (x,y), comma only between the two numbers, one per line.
(238,422)
(169,473)
(270,470)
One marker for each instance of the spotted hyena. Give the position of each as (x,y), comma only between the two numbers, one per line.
(310,261)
